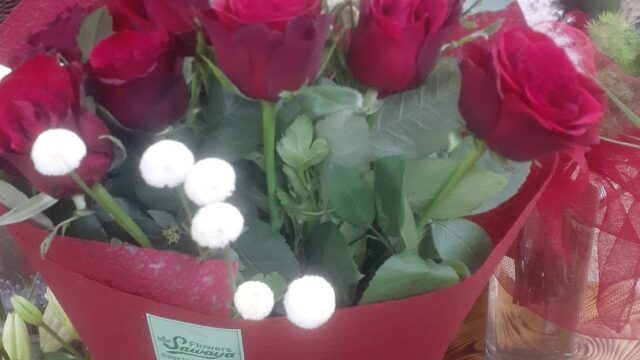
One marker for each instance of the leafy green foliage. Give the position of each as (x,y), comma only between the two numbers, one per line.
(323,100)
(619,39)
(349,195)
(28,209)
(297,147)
(461,240)
(418,123)
(328,254)
(262,249)
(389,185)
(426,177)
(349,139)
(407,274)
(238,130)
(276,283)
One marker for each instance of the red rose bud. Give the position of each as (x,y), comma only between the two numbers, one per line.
(137,76)
(525,98)
(397,43)
(175,16)
(41,95)
(267,46)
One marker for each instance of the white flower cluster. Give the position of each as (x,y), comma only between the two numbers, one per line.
(57,152)
(309,302)
(207,183)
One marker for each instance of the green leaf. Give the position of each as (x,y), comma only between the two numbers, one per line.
(475,188)
(28,209)
(409,230)
(11,197)
(328,254)
(426,177)
(463,240)
(239,130)
(263,250)
(357,243)
(297,148)
(96,26)
(389,182)
(164,219)
(515,172)
(407,274)
(349,140)
(460,268)
(323,100)
(349,195)
(418,123)
(276,282)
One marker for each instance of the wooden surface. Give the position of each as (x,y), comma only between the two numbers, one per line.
(469,343)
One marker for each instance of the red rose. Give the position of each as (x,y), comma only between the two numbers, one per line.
(175,16)
(40,95)
(524,97)
(137,76)
(397,43)
(267,46)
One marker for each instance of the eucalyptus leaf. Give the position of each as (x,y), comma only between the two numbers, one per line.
(417,123)
(463,240)
(297,147)
(389,187)
(323,100)
(262,249)
(349,139)
(407,274)
(96,26)
(239,126)
(28,209)
(11,197)
(328,254)
(349,195)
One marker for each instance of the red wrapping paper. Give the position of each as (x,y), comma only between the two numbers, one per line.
(108,290)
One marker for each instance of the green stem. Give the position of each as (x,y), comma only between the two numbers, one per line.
(459,173)
(269,137)
(64,344)
(102,197)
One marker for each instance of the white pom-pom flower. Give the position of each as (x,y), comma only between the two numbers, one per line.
(217,225)
(58,152)
(4,71)
(166,163)
(309,302)
(254,300)
(210,181)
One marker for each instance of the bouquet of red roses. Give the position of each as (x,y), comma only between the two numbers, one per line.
(243,168)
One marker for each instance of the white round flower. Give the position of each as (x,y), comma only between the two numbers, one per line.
(58,152)
(310,301)
(217,225)
(254,300)
(166,163)
(209,181)
(4,71)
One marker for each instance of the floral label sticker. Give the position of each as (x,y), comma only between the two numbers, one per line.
(176,340)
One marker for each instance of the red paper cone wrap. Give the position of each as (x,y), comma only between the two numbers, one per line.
(108,290)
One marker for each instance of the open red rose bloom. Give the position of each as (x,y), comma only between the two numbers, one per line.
(338,168)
